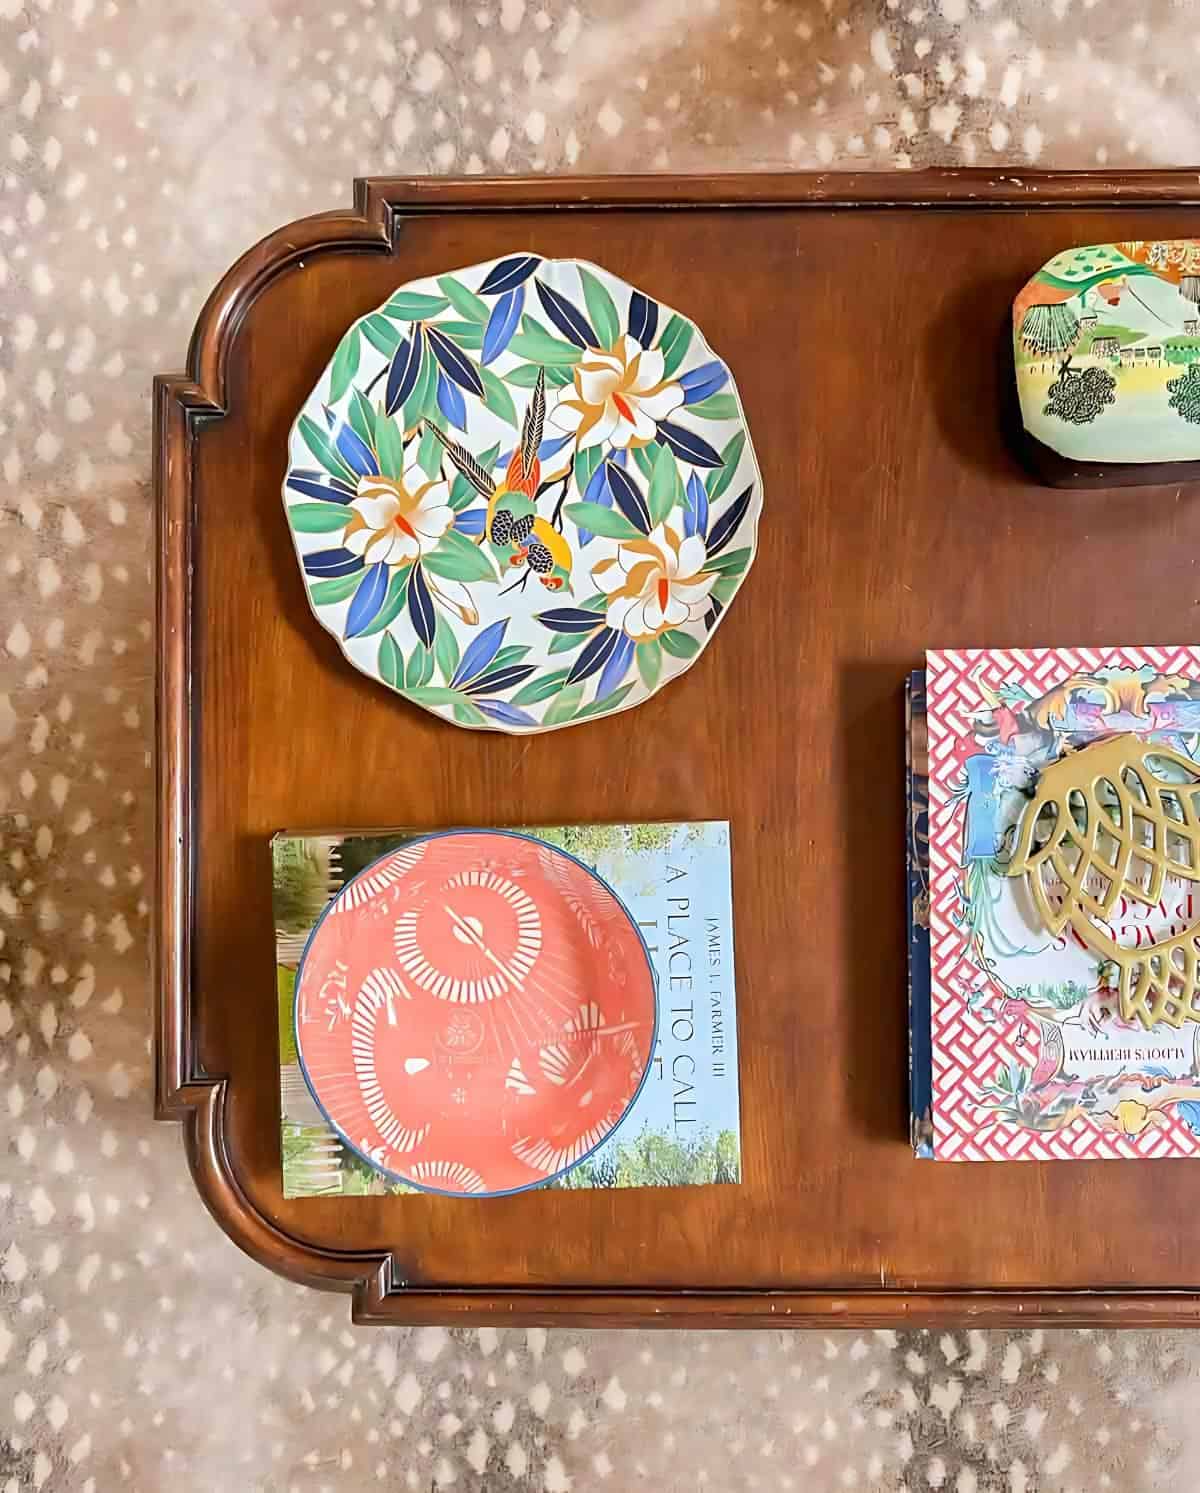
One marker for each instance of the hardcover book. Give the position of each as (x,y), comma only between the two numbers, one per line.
(682,1125)
(1054,1012)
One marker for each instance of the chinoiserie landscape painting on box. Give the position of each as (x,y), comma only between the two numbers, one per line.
(1107,349)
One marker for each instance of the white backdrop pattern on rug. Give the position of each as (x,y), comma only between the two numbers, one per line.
(142,148)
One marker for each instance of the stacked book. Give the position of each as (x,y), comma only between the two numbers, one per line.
(1053,862)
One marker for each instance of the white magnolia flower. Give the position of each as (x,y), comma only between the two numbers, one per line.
(655,583)
(618,396)
(398,521)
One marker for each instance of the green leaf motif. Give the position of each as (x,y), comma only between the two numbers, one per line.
(381,334)
(420,668)
(513,654)
(466,714)
(327,593)
(534,342)
(393,603)
(462,494)
(468,334)
(464,301)
(363,417)
(649,662)
(724,587)
(429,453)
(680,644)
(716,407)
(733,562)
(586,462)
(409,306)
(389,447)
(435,694)
(524,376)
(564,707)
(600,520)
(645,460)
(666,488)
(609,702)
(601,311)
(541,689)
(345,365)
(567,642)
(674,343)
(391,662)
(497,398)
(445,651)
(423,399)
(324,450)
(720,477)
(318,518)
(459,559)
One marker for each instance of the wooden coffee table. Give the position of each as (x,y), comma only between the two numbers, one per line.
(865,319)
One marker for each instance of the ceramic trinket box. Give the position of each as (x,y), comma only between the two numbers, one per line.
(1106,344)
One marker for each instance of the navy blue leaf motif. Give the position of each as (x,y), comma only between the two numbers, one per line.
(329,564)
(724,528)
(687,445)
(454,362)
(313,474)
(510,715)
(695,519)
(714,611)
(327,491)
(701,382)
(594,655)
(509,273)
(643,318)
(471,522)
(480,653)
(627,497)
(500,679)
(403,370)
(420,606)
(369,597)
(570,619)
(355,452)
(503,322)
(616,667)
(450,402)
(569,320)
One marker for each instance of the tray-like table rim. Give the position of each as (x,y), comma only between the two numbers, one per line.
(184,1092)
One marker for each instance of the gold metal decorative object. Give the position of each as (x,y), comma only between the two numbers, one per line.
(1116,820)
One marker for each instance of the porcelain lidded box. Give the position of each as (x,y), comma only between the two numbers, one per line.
(523,494)
(1106,343)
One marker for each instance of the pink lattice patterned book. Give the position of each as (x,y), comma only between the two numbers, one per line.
(1032,1057)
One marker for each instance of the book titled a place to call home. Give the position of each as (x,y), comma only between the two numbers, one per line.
(1018,1047)
(684,1126)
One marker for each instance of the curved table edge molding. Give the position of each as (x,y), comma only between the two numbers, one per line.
(183,1092)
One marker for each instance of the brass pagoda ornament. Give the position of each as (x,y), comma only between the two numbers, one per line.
(1115,820)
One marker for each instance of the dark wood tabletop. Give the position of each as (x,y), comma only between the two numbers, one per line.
(865,320)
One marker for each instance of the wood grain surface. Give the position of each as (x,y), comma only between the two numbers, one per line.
(869,346)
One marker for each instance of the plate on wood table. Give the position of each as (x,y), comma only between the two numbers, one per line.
(523,494)
(475,1013)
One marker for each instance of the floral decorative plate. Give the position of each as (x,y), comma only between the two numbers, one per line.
(475,1012)
(523,494)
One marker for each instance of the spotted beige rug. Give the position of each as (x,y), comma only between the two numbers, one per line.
(143,147)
